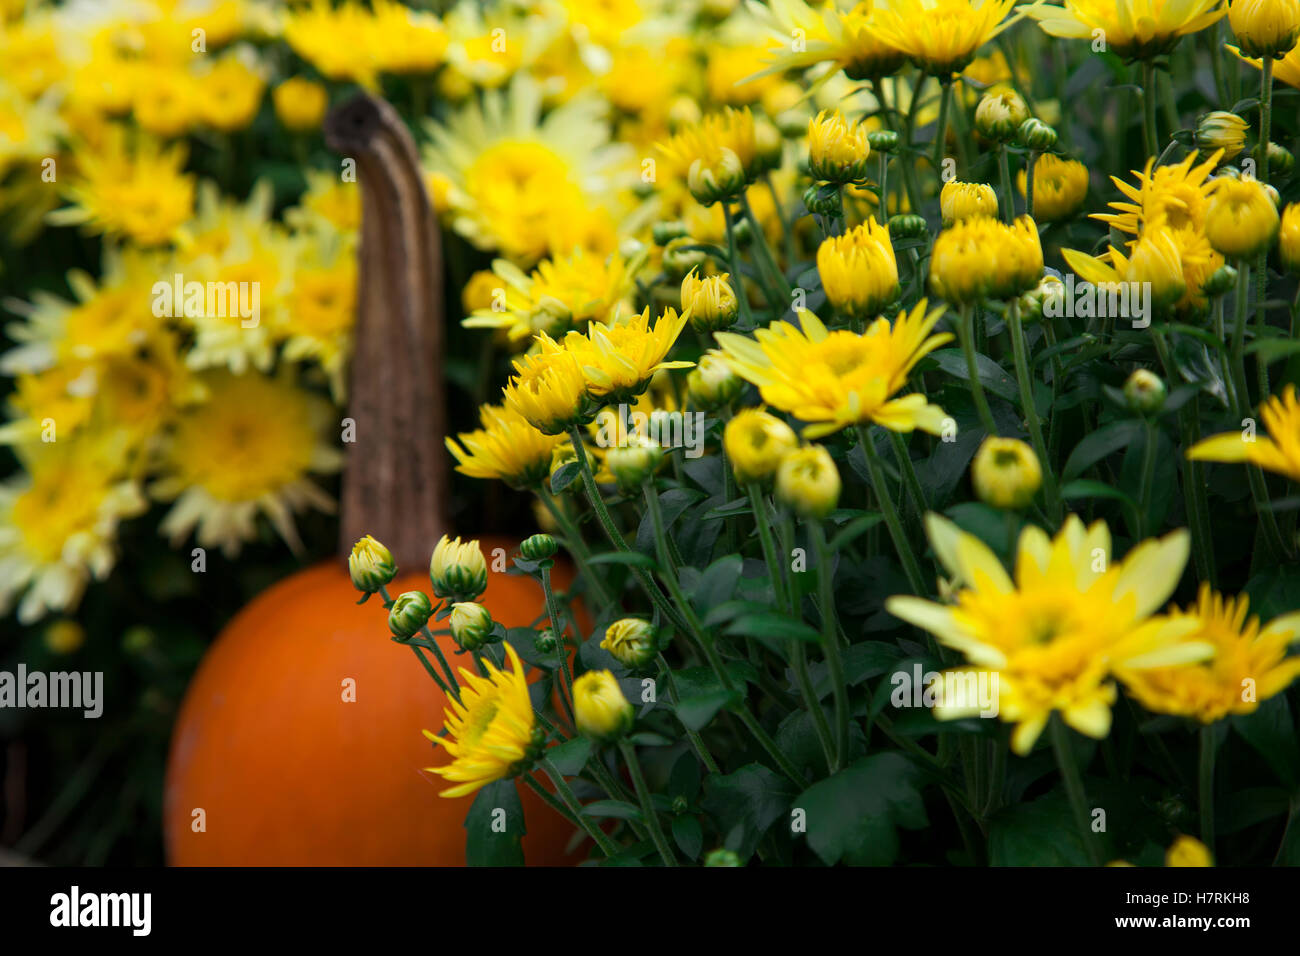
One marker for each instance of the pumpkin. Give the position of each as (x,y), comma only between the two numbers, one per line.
(299,737)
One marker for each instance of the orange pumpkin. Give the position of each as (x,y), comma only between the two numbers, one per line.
(289,773)
(285,769)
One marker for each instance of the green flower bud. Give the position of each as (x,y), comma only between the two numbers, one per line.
(1037,299)
(633,463)
(823,200)
(1280,160)
(1037,135)
(883,140)
(679,260)
(409,613)
(1145,392)
(537,548)
(712,384)
(999,115)
(908,226)
(1220,282)
(631,641)
(665,232)
(458,571)
(722,857)
(1220,129)
(471,625)
(371,565)
(545,642)
(721,180)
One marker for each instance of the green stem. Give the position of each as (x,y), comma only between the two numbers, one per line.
(911,566)
(557,628)
(1205,783)
(733,262)
(775,567)
(941,132)
(1004,175)
(701,749)
(607,846)
(1151,444)
(1261,261)
(908,471)
(1050,494)
(578,548)
(966,332)
(781,298)
(1029,183)
(831,643)
(647,805)
(1073,786)
(1149,135)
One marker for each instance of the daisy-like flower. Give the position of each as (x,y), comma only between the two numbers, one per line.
(844,38)
(858,270)
(59,521)
(620,359)
(984,258)
(712,138)
(559,295)
(1249,666)
(941,36)
(1057,632)
(1176,195)
(1060,187)
(140,193)
(549,389)
(839,379)
(506,448)
(492,733)
(1279,451)
(320,309)
(228,95)
(248,450)
(1135,29)
(1153,258)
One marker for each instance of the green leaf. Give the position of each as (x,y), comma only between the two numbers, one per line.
(853,529)
(618,809)
(1040,833)
(571,756)
(689,836)
(718,582)
(1270,350)
(1087,488)
(563,476)
(1096,446)
(992,376)
(773,630)
(696,711)
(744,804)
(854,816)
(491,838)
(632,558)
(1271,731)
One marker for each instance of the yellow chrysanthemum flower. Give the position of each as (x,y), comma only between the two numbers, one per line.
(1154,258)
(756,443)
(1288,238)
(1249,666)
(1279,451)
(1053,636)
(620,359)
(845,38)
(1176,195)
(1241,220)
(559,295)
(228,95)
(1060,187)
(838,151)
(601,711)
(984,258)
(549,390)
(1135,29)
(958,201)
(300,103)
(707,141)
(858,270)
(492,733)
(941,36)
(248,450)
(139,192)
(1286,69)
(506,448)
(1221,130)
(1265,27)
(839,379)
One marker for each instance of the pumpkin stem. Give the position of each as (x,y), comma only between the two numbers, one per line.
(395,482)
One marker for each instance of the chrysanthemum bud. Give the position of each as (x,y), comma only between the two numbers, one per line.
(712,384)
(1241,220)
(1006,473)
(1288,239)
(371,565)
(538,547)
(471,625)
(883,140)
(1221,130)
(721,857)
(808,483)
(1265,28)
(1036,135)
(999,115)
(458,571)
(600,709)
(631,641)
(859,271)
(958,201)
(711,301)
(907,225)
(679,259)
(631,464)
(545,642)
(64,637)
(1145,392)
(665,232)
(1038,299)
(1221,281)
(756,442)
(410,612)
(838,149)
(721,179)
(824,200)
(1280,160)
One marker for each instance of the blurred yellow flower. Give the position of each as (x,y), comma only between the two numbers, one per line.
(941,36)
(1060,187)
(1134,29)
(506,448)
(1279,451)
(300,103)
(958,201)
